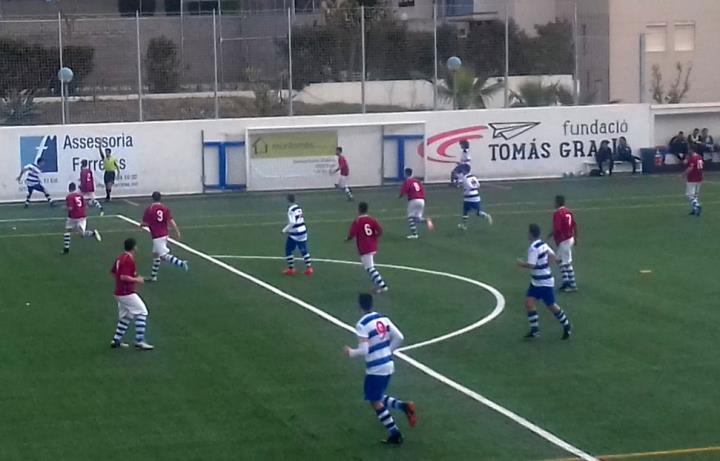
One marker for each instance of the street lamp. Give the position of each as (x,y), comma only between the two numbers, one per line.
(454,64)
(65,75)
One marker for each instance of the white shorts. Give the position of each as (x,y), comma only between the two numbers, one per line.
(160,247)
(368,260)
(564,251)
(88,196)
(342,182)
(76,224)
(130,306)
(692,189)
(416,208)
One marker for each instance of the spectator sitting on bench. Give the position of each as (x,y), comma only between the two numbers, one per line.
(679,146)
(604,155)
(623,153)
(694,140)
(707,143)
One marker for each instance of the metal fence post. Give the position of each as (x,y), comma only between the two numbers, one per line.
(220,45)
(215,66)
(62,85)
(139,66)
(641,74)
(182,40)
(290,64)
(362,54)
(435,57)
(576,53)
(506,73)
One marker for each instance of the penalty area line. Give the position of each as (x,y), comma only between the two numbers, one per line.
(555,440)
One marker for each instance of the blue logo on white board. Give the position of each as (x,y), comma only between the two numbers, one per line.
(32,148)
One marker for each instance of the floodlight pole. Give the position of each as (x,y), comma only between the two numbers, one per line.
(435,56)
(139,65)
(290,64)
(362,45)
(507,56)
(215,66)
(62,84)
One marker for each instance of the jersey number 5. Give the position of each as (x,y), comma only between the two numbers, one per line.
(78,202)
(368,230)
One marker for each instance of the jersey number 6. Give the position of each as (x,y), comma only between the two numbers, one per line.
(368,230)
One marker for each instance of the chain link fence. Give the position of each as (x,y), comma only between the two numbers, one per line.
(199,60)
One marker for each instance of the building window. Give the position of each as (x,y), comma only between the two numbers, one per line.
(685,36)
(656,38)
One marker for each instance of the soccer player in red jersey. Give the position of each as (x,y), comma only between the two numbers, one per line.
(414,190)
(694,175)
(77,218)
(156,218)
(565,235)
(130,305)
(344,170)
(87,186)
(366,231)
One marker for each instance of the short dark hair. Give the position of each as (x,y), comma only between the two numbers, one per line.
(291,198)
(156,196)
(129,244)
(338,149)
(465,168)
(72,187)
(464,143)
(365,300)
(83,163)
(560,200)
(408,172)
(108,151)
(363,207)
(534,231)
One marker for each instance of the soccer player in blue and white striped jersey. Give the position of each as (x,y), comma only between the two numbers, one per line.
(471,197)
(542,283)
(297,233)
(378,337)
(33,180)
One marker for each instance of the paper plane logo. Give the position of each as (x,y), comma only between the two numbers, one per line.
(510,130)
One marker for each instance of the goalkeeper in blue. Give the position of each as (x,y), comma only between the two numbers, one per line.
(471,197)
(378,337)
(297,233)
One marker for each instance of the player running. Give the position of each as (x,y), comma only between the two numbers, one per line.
(565,235)
(297,234)
(471,197)
(378,337)
(130,306)
(415,193)
(33,180)
(694,175)
(366,231)
(110,165)
(457,172)
(344,169)
(77,218)
(156,218)
(87,186)
(542,284)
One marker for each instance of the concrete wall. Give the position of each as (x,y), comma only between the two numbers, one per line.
(594,49)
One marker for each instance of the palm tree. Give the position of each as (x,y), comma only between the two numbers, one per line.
(469,91)
(538,94)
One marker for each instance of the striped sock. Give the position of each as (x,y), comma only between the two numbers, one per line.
(562,318)
(376,277)
(168,258)
(96,204)
(464,220)
(140,324)
(47,197)
(565,274)
(387,420)
(534,320)
(571,275)
(88,234)
(393,403)
(122,327)
(290,260)
(695,203)
(306,259)
(412,224)
(348,193)
(155,268)
(66,240)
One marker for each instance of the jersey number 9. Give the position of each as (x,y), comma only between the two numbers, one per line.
(381,329)
(160,215)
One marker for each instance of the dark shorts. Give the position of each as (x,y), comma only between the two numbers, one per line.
(109,177)
(37,187)
(471,206)
(291,245)
(375,387)
(544,294)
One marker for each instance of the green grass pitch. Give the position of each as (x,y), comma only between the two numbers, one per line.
(240,373)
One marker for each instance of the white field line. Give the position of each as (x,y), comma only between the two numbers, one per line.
(499,298)
(130,202)
(424,368)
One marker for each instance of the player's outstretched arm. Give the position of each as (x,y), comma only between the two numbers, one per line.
(102,154)
(22,172)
